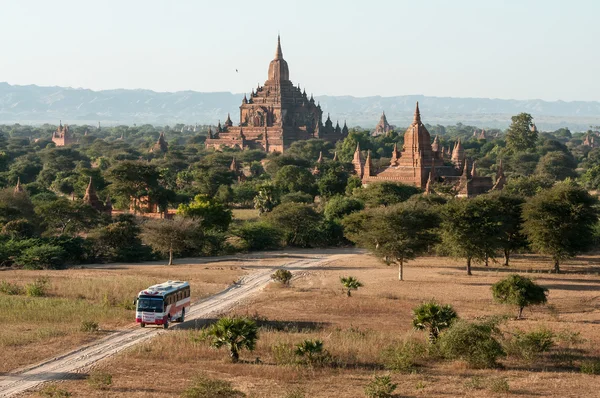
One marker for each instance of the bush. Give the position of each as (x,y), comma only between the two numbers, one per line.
(37,288)
(12,289)
(44,256)
(282,276)
(519,291)
(297,197)
(404,357)
(19,229)
(53,391)
(259,235)
(380,387)
(204,387)
(529,345)
(591,367)
(283,354)
(89,327)
(340,206)
(99,380)
(312,352)
(473,343)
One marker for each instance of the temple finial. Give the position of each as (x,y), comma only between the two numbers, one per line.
(278,52)
(417,118)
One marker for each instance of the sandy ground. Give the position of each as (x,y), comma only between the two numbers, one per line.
(70,364)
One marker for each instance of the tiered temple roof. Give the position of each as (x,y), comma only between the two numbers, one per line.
(383,127)
(62,135)
(275,115)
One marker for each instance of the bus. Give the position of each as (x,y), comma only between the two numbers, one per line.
(162,304)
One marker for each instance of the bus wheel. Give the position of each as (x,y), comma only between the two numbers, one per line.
(182,317)
(143,324)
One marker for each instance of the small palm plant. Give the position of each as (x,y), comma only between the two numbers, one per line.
(350,283)
(234,333)
(434,318)
(312,350)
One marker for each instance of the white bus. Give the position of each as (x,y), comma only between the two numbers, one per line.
(163,303)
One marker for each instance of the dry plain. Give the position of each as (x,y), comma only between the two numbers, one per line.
(355,330)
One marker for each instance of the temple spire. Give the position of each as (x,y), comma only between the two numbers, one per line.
(417,117)
(18,187)
(320,160)
(335,156)
(278,52)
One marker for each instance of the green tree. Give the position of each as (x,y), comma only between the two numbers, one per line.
(235,334)
(397,233)
(15,206)
(169,236)
(63,216)
(470,228)
(434,318)
(521,135)
(385,193)
(527,186)
(292,178)
(520,291)
(266,199)
(282,276)
(298,222)
(510,223)
(560,221)
(339,206)
(209,212)
(134,181)
(350,283)
(556,166)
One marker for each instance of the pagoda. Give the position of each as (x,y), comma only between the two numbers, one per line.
(62,136)
(275,115)
(383,127)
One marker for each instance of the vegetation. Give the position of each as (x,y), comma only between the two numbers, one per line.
(350,283)
(380,387)
(99,380)
(171,236)
(519,291)
(204,387)
(472,342)
(282,276)
(235,334)
(434,318)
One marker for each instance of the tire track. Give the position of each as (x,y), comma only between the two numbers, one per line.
(73,363)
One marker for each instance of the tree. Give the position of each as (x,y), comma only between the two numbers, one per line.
(385,193)
(521,135)
(510,223)
(15,206)
(293,178)
(212,214)
(171,236)
(266,199)
(19,229)
(434,318)
(282,276)
(235,334)
(63,216)
(397,233)
(527,186)
(556,166)
(312,350)
(470,228)
(120,240)
(298,222)
(339,206)
(350,283)
(136,182)
(560,221)
(520,291)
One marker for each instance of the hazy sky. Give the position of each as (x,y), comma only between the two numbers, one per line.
(522,49)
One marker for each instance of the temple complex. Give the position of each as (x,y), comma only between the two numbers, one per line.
(422,163)
(62,136)
(275,115)
(161,145)
(383,127)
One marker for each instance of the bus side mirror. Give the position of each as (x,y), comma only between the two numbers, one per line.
(134,302)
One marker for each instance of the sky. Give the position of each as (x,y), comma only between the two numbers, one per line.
(512,49)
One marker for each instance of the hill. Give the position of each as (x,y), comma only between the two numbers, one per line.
(36,105)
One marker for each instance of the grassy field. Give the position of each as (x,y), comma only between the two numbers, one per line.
(36,328)
(245,214)
(358,329)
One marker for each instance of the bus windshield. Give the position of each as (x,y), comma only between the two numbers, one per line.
(150,304)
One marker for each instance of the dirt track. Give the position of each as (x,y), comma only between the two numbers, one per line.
(72,364)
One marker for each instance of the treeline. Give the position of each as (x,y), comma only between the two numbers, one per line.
(302,202)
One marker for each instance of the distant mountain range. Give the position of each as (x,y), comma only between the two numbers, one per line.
(36,105)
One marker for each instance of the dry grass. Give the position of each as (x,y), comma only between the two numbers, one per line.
(355,330)
(245,214)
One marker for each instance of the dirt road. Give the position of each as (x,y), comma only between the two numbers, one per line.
(72,364)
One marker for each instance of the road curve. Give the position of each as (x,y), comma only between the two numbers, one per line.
(73,363)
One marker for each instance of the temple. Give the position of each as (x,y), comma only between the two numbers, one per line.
(383,127)
(161,145)
(423,164)
(62,136)
(275,115)
(91,198)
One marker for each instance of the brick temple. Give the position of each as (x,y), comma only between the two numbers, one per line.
(275,115)
(62,136)
(422,163)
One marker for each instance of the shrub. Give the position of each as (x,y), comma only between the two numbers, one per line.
(529,345)
(297,197)
(99,380)
(380,387)
(295,393)
(499,385)
(89,327)
(520,291)
(403,357)
(37,288)
(44,256)
(19,229)
(235,334)
(434,318)
(259,235)
(53,391)
(591,367)
(350,283)
(313,353)
(282,276)
(12,289)
(204,387)
(473,343)
(283,354)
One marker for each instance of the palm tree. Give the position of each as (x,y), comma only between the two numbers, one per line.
(235,334)
(433,317)
(311,349)
(350,283)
